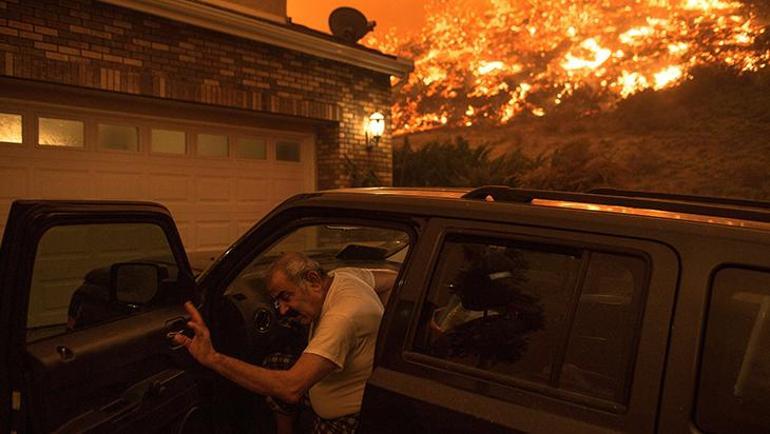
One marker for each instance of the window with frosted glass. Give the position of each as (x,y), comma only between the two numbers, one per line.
(118,137)
(10,128)
(168,142)
(60,132)
(212,145)
(287,151)
(252,148)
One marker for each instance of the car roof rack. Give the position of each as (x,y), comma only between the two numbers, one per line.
(501,193)
(707,206)
(748,203)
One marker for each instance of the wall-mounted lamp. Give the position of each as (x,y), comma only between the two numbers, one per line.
(374,129)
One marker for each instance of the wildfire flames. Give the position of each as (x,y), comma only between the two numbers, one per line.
(512,57)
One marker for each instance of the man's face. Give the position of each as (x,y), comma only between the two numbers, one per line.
(305,299)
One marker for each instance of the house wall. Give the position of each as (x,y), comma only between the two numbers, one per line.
(95,45)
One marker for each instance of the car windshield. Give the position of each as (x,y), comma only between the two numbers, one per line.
(332,246)
(341,241)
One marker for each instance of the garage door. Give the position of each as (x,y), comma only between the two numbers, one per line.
(216,179)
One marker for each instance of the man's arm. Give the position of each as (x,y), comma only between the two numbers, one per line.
(287,385)
(384,279)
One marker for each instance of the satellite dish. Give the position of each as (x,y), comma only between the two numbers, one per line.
(349,24)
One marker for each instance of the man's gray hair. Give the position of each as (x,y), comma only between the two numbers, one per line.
(294,266)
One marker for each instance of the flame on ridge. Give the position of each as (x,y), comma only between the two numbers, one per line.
(487,61)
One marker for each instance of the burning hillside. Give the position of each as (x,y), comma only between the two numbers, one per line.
(489,64)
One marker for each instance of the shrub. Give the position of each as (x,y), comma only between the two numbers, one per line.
(455,164)
(361,176)
(573,167)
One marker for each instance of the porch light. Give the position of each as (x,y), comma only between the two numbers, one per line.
(374,129)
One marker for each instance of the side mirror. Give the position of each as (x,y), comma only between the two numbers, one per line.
(135,283)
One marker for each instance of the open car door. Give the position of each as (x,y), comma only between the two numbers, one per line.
(89,295)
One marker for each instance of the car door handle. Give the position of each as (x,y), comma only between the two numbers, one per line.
(172,344)
(175,326)
(65,353)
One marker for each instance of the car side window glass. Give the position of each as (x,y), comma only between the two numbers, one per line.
(735,366)
(90,273)
(333,246)
(601,340)
(499,306)
(521,312)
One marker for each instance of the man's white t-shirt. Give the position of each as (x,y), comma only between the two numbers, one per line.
(345,334)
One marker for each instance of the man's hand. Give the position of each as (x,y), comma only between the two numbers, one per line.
(287,385)
(200,345)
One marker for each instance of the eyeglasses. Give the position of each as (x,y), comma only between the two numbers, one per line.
(282,296)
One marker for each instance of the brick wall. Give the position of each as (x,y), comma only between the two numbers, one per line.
(91,44)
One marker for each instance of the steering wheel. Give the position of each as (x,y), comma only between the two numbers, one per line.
(245,324)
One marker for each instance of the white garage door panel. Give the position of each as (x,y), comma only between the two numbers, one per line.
(180,210)
(244,225)
(250,214)
(283,188)
(185,232)
(212,189)
(127,185)
(14,182)
(252,190)
(214,235)
(288,168)
(169,188)
(61,184)
(212,211)
(245,213)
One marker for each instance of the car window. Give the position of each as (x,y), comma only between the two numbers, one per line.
(333,246)
(78,279)
(520,311)
(334,239)
(735,367)
(601,340)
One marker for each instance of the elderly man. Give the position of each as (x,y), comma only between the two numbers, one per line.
(343,310)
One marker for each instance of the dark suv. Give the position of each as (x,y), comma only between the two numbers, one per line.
(514,311)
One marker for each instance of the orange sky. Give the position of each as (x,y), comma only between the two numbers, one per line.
(404,15)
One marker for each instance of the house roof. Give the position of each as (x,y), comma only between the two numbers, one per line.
(286,35)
